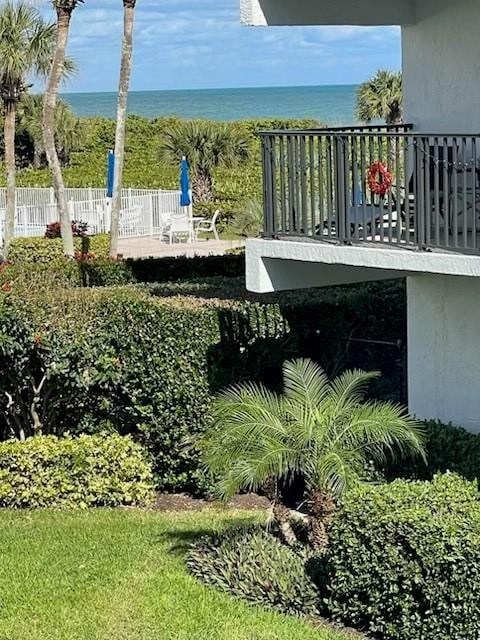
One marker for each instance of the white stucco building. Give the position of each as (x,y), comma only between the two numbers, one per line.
(325,225)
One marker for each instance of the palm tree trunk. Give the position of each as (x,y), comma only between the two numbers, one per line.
(9,140)
(49,105)
(124,84)
(202,187)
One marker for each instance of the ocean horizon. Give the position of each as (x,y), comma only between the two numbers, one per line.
(328,104)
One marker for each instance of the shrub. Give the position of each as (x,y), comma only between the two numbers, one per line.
(54,229)
(252,564)
(448,448)
(183,268)
(89,471)
(49,250)
(146,360)
(405,560)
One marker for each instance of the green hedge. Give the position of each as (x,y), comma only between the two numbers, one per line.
(146,360)
(88,471)
(48,250)
(405,560)
(448,448)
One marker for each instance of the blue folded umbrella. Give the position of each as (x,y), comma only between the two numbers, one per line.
(185,199)
(110,173)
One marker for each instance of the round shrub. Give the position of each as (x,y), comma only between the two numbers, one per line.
(254,565)
(88,471)
(404,560)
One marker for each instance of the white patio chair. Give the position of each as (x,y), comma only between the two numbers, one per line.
(181,226)
(208,226)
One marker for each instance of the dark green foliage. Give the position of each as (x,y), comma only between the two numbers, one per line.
(89,471)
(147,360)
(405,560)
(254,565)
(184,268)
(448,448)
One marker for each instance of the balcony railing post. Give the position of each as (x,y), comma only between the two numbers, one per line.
(420,168)
(269,224)
(340,186)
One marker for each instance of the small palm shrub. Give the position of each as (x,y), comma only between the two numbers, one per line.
(207,146)
(404,560)
(323,432)
(254,565)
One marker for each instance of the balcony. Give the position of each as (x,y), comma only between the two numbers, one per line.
(316,188)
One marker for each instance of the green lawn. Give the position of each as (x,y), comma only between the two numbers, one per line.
(119,575)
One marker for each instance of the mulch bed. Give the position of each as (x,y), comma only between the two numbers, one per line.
(184,502)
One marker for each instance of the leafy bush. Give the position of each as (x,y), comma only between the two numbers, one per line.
(146,360)
(405,560)
(254,565)
(89,471)
(184,268)
(79,230)
(49,250)
(448,448)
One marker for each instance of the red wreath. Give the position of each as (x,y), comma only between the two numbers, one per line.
(380,180)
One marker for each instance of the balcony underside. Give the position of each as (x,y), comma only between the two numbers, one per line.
(278,265)
(324,12)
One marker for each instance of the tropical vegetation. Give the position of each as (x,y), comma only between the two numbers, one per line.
(381,98)
(26,47)
(320,433)
(206,146)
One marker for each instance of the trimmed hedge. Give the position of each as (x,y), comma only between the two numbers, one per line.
(146,360)
(48,250)
(404,560)
(252,564)
(88,471)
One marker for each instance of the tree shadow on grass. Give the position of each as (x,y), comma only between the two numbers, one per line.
(180,542)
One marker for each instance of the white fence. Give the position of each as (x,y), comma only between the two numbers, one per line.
(144,212)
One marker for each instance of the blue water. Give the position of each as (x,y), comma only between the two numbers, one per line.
(332,105)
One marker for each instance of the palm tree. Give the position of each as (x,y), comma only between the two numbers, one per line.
(69,131)
(206,145)
(124,84)
(324,432)
(26,47)
(64,10)
(381,98)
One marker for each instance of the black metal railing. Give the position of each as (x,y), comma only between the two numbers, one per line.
(316,185)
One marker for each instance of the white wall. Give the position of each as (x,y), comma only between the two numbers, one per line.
(444,349)
(441,64)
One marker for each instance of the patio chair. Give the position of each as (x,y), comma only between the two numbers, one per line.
(208,226)
(180,226)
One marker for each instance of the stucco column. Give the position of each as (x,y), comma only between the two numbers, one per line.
(444,348)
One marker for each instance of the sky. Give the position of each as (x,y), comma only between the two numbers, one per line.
(190,44)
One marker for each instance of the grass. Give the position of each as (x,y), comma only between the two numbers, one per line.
(119,575)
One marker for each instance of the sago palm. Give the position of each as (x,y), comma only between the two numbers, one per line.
(381,98)
(64,10)
(122,101)
(323,431)
(206,145)
(26,48)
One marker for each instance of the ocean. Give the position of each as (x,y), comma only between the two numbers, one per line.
(332,105)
